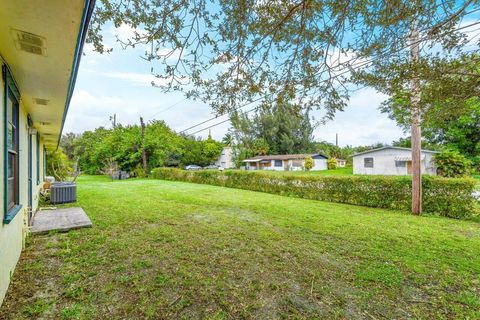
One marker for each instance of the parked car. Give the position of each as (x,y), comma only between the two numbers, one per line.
(193,167)
(212,166)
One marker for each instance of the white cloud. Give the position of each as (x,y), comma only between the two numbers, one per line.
(361,123)
(170,53)
(126,32)
(142,79)
(471,32)
(139,79)
(88,111)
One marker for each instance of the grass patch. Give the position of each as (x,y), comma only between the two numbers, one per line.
(161,249)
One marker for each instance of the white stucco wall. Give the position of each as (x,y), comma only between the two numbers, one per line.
(226,159)
(319,164)
(12,235)
(384,162)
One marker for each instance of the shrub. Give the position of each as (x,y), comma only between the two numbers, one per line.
(452,164)
(332,164)
(58,165)
(308,163)
(443,196)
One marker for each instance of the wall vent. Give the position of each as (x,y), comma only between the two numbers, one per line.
(45,123)
(40,101)
(30,42)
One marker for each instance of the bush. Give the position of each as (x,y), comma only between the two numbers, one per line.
(447,197)
(58,165)
(452,164)
(332,164)
(309,163)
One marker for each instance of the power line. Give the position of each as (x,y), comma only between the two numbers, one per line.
(208,120)
(167,108)
(361,65)
(253,109)
(332,68)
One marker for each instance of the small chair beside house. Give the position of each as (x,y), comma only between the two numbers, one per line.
(285,162)
(392,161)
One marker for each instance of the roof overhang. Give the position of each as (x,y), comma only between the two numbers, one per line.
(390,147)
(252,160)
(54,30)
(408,158)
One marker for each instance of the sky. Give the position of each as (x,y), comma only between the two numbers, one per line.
(120,83)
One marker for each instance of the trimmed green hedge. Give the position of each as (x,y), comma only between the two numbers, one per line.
(443,196)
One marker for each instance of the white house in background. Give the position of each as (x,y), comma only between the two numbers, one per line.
(392,161)
(226,159)
(341,163)
(285,162)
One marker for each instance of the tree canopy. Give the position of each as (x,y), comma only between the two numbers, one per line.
(97,150)
(278,129)
(228,53)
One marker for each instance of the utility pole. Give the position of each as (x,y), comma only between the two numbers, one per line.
(336,139)
(144,153)
(416,130)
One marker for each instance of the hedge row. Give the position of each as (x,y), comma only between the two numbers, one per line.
(442,196)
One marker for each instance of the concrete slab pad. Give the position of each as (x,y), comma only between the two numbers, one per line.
(61,220)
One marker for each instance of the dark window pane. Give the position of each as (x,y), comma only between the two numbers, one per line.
(11,193)
(11,165)
(9,109)
(12,144)
(278,163)
(10,136)
(368,162)
(400,164)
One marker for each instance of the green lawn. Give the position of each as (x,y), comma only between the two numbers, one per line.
(170,250)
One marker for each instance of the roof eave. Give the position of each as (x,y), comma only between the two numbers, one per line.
(82,35)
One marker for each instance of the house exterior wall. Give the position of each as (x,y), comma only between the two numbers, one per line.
(341,163)
(226,159)
(12,234)
(384,162)
(288,165)
(320,164)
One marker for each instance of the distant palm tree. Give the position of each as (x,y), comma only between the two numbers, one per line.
(227,139)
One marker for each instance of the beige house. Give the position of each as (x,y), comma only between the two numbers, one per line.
(341,163)
(40,49)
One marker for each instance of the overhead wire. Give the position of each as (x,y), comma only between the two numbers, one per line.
(349,67)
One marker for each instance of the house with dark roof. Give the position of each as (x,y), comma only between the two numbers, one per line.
(285,162)
(392,161)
